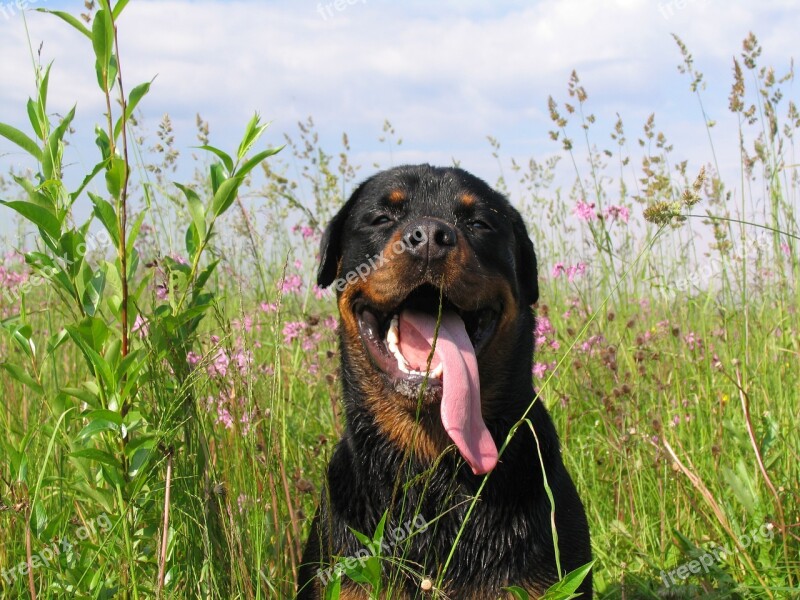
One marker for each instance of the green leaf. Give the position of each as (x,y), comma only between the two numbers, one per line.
(72,246)
(102,37)
(13,134)
(43,85)
(38,518)
(196,208)
(55,341)
(93,293)
(105,213)
(82,395)
(225,158)
(106,75)
(135,96)
(22,376)
(225,195)
(115,176)
(202,278)
(96,363)
(252,132)
(22,335)
(134,233)
(86,180)
(41,217)
(118,8)
(192,240)
(218,175)
(566,588)
(518,592)
(33,117)
(72,20)
(96,455)
(96,426)
(333,591)
(51,157)
(256,160)
(741,486)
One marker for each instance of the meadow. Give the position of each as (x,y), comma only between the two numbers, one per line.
(169,368)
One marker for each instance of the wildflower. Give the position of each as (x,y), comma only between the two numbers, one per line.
(311,341)
(618,213)
(243,359)
(162,293)
(589,345)
(320,293)
(219,365)
(269,307)
(307,232)
(584,211)
(292,330)
(571,271)
(539,370)
(245,324)
(291,284)
(331,323)
(224,417)
(785,249)
(141,326)
(693,341)
(267,370)
(575,270)
(192,358)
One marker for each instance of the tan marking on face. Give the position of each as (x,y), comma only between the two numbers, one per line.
(468,199)
(397,196)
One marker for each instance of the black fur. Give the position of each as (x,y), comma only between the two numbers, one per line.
(507,539)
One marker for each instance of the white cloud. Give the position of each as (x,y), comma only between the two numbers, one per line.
(446,74)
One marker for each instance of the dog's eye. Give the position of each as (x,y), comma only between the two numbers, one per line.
(381,220)
(478,224)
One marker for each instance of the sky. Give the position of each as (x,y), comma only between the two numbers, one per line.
(446,74)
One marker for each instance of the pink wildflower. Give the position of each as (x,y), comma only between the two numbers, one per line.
(292,330)
(331,323)
(291,284)
(618,213)
(141,326)
(584,211)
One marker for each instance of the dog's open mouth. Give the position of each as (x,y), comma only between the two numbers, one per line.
(418,353)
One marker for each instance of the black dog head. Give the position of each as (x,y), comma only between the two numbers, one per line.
(417,245)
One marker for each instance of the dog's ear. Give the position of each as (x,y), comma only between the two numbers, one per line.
(527,274)
(330,249)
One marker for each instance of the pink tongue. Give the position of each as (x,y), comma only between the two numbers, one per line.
(461,395)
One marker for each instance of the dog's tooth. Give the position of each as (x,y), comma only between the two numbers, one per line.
(437,372)
(393,334)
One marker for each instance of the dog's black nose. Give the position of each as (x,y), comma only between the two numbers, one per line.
(429,239)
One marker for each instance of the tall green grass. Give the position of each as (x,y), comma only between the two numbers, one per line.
(169,370)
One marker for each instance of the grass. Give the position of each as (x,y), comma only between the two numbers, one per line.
(171,388)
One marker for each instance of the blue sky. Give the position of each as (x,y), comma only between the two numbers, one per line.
(446,74)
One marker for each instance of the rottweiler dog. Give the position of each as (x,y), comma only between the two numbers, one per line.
(435,278)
